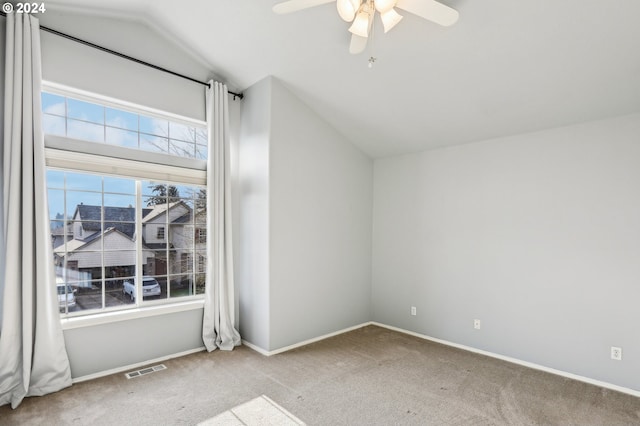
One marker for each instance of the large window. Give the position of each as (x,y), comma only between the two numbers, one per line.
(89,121)
(115,227)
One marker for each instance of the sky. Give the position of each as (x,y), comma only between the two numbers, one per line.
(96,123)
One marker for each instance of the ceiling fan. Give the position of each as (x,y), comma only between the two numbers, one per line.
(362,12)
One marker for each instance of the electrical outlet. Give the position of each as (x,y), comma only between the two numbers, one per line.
(476,324)
(414,311)
(616,353)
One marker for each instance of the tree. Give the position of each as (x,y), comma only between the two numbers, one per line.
(183,143)
(201,200)
(163,194)
(59,222)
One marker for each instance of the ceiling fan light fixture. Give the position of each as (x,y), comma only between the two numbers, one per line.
(390,19)
(347,9)
(360,25)
(383,6)
(361,14)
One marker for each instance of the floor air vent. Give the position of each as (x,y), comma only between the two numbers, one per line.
(143,371)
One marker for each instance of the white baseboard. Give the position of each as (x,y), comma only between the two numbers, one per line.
(515,361)
(134,366)
(256,348)
(303,343)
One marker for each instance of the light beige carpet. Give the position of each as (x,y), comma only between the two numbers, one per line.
(371,376)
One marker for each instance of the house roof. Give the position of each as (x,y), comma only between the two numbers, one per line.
(111,214)
(59,231)
(156,246)
(120,218)
(185,218)
(70,246)
(75,244)
(159,209)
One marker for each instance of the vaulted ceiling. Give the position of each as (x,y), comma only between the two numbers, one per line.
(506,67)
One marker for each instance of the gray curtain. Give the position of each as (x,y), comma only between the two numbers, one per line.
(33,359)
(218,328)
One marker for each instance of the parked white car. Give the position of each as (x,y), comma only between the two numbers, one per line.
(150,287)
(66,295)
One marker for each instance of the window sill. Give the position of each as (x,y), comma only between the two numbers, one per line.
(130,314)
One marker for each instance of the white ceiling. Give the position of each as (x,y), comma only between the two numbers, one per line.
(506,67)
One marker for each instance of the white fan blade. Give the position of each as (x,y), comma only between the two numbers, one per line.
(358,44)
(295,5)
(430,10)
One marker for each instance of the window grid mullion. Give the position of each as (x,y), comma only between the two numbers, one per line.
(64,238)
(166,235)
(192,246)
(138,233)
(102,229)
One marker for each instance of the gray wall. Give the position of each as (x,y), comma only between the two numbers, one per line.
(82,67)
(252,217)
(320,225)
(115,345)
(536,235)
(305,268)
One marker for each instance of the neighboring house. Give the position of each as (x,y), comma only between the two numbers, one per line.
(58,236)
(168,236)
(155,222)
(187,233)
(86,256)
(165,237)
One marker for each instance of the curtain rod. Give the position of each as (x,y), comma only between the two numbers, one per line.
(130,58)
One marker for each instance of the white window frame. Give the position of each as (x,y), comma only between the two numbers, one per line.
(102,159)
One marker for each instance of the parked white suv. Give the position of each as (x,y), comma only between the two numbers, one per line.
(66,295)
(150,287)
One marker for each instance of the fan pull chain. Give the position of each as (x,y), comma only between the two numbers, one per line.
(371,43)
